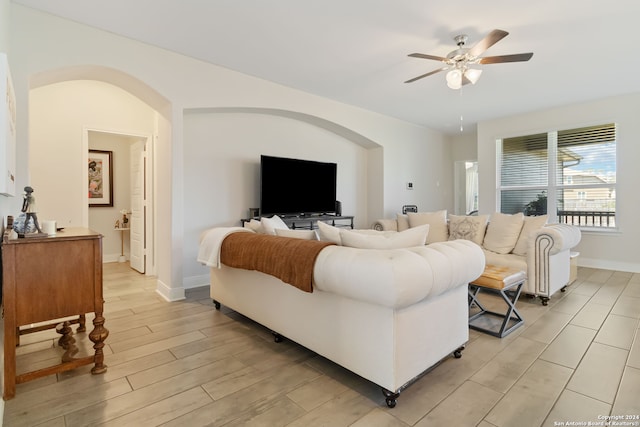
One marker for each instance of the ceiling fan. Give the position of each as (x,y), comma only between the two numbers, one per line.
(458,61)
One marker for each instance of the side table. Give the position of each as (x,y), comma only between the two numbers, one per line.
(508,284)
(122,258)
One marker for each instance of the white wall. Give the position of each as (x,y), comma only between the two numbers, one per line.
(47,44)
(610,250)
(464,146)
(5,24)
(60,115)
(222,151)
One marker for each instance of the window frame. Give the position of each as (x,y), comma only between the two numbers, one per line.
(552,186)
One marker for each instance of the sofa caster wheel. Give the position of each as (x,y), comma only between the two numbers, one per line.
(390,398)
(458,353)
(564,289)
(216,304)
(277,337)
(545,300)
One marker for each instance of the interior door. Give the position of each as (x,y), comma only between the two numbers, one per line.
(138,204)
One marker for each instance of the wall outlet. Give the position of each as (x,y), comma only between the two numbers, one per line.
(409,185)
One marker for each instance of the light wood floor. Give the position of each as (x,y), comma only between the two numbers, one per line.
(186,364)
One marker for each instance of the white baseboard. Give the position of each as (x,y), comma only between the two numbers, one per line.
(170,294)
(196,281)
(630,267)
(111,258)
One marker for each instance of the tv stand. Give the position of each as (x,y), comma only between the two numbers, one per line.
(310,222)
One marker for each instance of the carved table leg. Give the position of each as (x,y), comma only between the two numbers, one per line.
(97,336)
(71,350)
(82,320)
(67,341)
(65,330)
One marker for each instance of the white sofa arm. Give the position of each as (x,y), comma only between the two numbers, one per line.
(385,225)
(548,259)
(554,238)
(397,277)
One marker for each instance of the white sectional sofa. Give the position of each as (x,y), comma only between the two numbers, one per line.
(387,315)
(526,243)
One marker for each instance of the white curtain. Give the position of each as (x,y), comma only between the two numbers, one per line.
(472,187)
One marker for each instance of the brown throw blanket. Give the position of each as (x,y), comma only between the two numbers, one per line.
(290,260)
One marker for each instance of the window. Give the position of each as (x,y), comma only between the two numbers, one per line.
(577,167)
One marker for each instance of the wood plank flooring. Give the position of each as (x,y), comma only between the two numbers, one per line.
(187,364)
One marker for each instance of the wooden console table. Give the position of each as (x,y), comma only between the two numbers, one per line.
(47,279)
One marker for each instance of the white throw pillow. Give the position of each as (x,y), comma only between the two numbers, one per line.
(254,225)
(410,238)
(269,225)
(503,232)
(438,230)
(297,234)
(531,224)
(468,227)
(329,233)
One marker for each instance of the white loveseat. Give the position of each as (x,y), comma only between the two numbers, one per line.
(387,315)
(526,243)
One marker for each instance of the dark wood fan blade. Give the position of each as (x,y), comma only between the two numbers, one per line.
(517,57)
(492,38)
(425,56)
(426,75)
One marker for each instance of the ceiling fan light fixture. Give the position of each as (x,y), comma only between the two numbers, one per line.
(473,75)
(454,79)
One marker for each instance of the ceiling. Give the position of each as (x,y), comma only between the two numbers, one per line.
(355,51)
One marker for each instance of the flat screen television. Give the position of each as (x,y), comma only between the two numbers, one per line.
(296,187)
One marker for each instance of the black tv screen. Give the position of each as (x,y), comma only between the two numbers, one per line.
(295,187)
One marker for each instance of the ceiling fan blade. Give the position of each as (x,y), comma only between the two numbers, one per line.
(425,56)
(426,75)
(517,57)
(492,38)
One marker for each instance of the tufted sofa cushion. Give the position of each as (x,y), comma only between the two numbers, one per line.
(397,277)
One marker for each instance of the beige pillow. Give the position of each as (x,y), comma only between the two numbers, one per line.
(269,225)
(403,222)
(468,227)
(531,224)
(438,231)
(297,234)
(412,237)
(503,231)
(328,233)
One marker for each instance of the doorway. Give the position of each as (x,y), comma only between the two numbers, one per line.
(127,223)
(466,187)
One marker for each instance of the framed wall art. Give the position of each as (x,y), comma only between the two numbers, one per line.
(100,178)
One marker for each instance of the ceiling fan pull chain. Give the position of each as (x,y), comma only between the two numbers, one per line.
(461,107)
